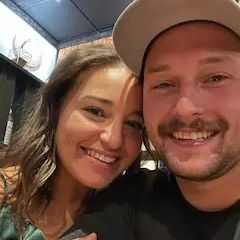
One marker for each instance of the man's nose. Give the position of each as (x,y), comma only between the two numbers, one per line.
(188,105)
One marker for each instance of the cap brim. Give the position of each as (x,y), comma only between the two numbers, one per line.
(143,20)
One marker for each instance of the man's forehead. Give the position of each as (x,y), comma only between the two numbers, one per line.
(211,59)
(194,34)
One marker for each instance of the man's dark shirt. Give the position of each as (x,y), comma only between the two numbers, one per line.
(149,206)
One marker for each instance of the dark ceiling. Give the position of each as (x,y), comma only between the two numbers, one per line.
(68,22)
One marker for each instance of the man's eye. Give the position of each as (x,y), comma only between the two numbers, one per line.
(216,78)
(164,85)
(95,111)
(135,124)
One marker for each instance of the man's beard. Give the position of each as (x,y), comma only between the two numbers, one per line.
(221,161)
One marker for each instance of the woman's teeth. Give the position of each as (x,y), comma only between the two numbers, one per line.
(100,156)
(196,136)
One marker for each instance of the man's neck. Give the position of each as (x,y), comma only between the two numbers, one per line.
(214,195)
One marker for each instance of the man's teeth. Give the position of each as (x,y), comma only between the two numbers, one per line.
(199,136)
(100,156)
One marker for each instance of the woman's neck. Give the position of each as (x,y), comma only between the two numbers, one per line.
(63,208)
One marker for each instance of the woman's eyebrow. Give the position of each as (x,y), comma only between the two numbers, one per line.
(99,99)
(138,114)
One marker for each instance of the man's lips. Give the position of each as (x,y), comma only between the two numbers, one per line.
(193,135)
(193,138)
(197,129)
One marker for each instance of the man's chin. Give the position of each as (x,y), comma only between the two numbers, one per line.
(198,177)
(195,169)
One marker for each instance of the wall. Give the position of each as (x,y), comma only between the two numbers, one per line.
(63,52)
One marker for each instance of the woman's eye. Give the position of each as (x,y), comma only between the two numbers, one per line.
(95,111)
(135,124)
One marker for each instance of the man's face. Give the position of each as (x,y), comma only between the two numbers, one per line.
(192,99)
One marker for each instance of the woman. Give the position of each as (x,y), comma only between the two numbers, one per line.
(85,130)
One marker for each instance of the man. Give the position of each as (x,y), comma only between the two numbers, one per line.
(187,54)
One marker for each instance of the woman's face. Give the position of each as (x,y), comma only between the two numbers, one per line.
(100,124)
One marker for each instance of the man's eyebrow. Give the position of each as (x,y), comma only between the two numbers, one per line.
(158,68)
(99,99)
(212,60)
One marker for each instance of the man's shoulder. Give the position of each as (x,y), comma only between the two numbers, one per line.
(143,179)
(135,185)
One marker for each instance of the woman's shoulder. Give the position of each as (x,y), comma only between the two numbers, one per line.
(8,228)
(8,178)
(6,224)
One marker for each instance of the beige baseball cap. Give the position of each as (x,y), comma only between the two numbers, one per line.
(143,20)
